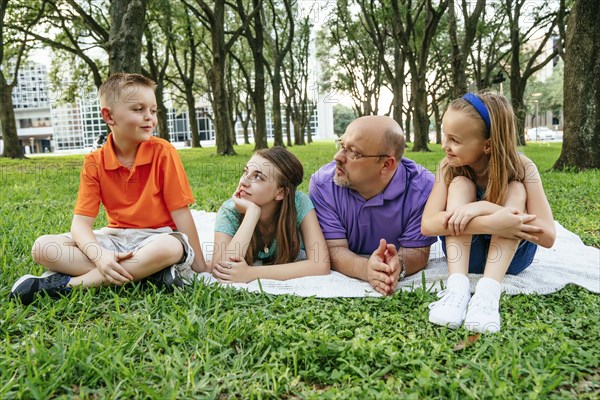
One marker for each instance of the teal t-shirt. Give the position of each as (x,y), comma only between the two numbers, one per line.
(229,218)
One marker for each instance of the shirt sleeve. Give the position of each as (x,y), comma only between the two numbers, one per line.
(227,220)
(177,192)
(303,206)
(326,213)
(89,194)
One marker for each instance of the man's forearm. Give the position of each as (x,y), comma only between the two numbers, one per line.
(415,259)
(348,263)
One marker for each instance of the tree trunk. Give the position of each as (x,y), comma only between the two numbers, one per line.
(233,131)
(398,84)
(580,148)
(258,97)
(12,148)
(517,93)
(298,132)
(459,52)
(125,42)
(438,120)
(191,104)
(161,112)
(421,118)
(245,124)
(224,130)
(407,124)
(288,125)
(277,123)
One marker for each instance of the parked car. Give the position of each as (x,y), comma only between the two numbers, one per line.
(540,133)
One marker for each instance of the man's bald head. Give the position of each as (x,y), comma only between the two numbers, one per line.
(385,131)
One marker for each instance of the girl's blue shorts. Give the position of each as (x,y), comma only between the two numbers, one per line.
(480,245)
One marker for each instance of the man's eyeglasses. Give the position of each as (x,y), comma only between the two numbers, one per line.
(353,155)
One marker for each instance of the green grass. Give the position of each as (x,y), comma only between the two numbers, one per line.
(213,342)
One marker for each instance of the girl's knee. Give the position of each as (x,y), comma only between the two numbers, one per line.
(462,182)
(461,190)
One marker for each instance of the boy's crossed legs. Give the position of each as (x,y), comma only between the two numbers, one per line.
(139,254)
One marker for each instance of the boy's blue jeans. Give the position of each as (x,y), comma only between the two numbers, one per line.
(480,245)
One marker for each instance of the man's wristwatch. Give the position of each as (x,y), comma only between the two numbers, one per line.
(402,268)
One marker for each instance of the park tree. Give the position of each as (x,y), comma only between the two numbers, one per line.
(382,27)
(212,17)
(417,26)
(580,148)
(73,30)
(462,40)
(188,49)
(78,27)
(14,45)
(124,44)
(242,77)
(527,55)
(255,35)
(552,90)
(279,37)
(490,49)
(297,74)
(342,116)
(158,34)
(350,59)
(440,85)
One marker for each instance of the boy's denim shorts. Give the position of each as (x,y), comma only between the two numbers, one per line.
(480,245)
(126,240)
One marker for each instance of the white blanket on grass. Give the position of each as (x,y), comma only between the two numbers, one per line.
(568,261)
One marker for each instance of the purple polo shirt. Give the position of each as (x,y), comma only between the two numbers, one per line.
(394,214)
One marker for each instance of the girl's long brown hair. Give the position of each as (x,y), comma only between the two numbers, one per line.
(289,173)
(504,165)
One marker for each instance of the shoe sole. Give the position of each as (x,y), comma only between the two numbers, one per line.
(15,294)
(487,328)
(451,325)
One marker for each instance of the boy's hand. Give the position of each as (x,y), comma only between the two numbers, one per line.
(109,266)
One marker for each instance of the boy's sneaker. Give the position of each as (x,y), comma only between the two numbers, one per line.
(168,278)
(483,314)
(450,309)
(27,286)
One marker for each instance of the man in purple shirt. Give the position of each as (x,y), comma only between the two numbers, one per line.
(369,201)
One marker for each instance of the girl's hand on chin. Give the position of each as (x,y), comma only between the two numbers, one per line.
(243,205)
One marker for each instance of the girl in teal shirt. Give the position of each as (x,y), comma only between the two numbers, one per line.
(267,223)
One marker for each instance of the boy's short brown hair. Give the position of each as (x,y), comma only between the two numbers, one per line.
(110,91)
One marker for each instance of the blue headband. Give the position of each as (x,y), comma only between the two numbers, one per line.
(480,107)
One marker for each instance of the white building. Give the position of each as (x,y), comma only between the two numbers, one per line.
(32,109)
(45,126)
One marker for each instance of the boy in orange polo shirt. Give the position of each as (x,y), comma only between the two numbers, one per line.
(141,182)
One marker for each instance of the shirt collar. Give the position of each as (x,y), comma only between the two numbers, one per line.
(143,156)
(395,188)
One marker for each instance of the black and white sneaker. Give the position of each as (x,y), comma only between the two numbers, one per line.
(27,286)
(168,278)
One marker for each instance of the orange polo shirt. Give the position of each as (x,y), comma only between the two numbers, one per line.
(140,197)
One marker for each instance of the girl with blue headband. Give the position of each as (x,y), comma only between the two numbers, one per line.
(489,208)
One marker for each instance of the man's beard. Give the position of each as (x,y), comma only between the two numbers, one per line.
(343,181)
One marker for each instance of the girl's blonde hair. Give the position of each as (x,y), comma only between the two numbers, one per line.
(288,174)
(504,165)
